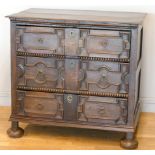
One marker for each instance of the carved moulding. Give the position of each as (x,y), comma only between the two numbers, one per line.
(62,91)
(21,53)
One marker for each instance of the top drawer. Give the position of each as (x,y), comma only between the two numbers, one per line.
(40,39)
(73,41)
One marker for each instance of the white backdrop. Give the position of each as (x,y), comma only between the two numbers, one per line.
(148,60)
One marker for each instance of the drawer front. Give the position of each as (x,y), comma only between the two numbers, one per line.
(40,104)
(72,74)
(97,43)
(40,39)
(100,110)
(104,43)
(73,41)
(103,76)
(40,72)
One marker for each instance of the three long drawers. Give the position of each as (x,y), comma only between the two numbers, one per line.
(73,74)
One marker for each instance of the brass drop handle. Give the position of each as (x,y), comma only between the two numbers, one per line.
(41,40)
(40,106)
(40,71)
(101,111)
(104,43)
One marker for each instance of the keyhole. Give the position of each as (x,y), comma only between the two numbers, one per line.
(71,34)
(69,98)
(71,64)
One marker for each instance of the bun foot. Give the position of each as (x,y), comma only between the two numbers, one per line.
(19,132)
(15,131)
(129,144)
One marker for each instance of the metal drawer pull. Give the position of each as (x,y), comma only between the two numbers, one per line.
(40,107)
(104,43)
(101,111)
(41,40)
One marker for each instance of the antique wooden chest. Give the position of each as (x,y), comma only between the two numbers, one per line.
(76,69)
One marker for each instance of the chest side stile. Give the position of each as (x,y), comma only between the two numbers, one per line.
(13,67)
(134,63)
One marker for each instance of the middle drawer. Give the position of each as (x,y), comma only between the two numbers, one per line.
(72,74)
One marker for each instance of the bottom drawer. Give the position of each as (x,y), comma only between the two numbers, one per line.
(39,104)
(102,110)
(73,108)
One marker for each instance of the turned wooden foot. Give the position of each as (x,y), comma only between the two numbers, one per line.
(15,131)
(129,142)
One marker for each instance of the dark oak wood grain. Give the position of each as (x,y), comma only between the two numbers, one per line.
(76,69)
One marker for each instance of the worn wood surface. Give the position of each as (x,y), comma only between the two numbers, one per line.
(83,15)
(64,53)
(48,137)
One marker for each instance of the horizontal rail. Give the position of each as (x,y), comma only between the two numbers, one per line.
(62,91)
(121,60)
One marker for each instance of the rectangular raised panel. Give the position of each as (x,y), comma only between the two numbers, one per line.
(40,104)
(101,110)
(70,107)
(104,43)
(40,72)
(103,76)
(40,39)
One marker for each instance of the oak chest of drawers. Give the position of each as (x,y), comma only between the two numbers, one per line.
(76,69)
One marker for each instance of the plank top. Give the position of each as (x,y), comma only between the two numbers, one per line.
(80,15)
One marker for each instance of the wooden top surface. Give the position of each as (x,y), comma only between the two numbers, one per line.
(80,15)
